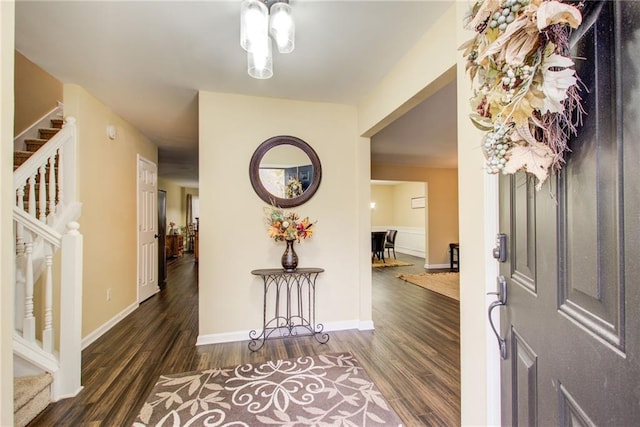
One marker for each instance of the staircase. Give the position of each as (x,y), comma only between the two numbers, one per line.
(47,357)
(33,144)
(31,395)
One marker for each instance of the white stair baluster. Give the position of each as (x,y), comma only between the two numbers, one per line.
(32,196)
(47,333)
(60,178)
(42,193)
(29,323)
(20,227)
(52,185)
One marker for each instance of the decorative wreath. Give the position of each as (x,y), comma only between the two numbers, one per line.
(294,188)
(527,96)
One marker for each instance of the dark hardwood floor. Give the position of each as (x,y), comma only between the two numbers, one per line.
(413,355)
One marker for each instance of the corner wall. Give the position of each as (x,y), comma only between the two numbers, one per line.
(233,234)
(426,69)
(7,31)
(107,188)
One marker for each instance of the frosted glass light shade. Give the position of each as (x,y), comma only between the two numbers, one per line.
(260,61)
(282,27)
(254,24)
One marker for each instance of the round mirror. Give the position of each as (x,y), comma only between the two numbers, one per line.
(285,171)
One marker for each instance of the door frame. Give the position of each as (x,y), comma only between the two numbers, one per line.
(491,229)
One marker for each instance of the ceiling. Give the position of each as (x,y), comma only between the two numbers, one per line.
(147,60)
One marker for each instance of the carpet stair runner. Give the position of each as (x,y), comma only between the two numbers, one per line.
(19,157)
(33,145)
(31,395)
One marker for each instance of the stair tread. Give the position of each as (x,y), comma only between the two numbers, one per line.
(25,388)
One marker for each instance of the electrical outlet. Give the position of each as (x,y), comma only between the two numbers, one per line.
(109,294)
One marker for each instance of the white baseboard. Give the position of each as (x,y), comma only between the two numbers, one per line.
(436,266)
(399,250)
(366,325)
(89,339)
(222,338)
(225,337)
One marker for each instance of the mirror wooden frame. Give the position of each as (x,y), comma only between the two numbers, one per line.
(254,171)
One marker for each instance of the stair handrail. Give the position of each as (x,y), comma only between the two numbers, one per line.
(37,227)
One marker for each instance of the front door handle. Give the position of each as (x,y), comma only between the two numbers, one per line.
(502,300)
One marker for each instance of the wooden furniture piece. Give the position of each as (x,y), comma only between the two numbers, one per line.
(454,256)
(377,244)
(293,295)
(196,246)
(196,249)
(175,245)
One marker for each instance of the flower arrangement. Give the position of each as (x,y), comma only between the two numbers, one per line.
(527,97)
(171,226)
(283,225)
(294,188)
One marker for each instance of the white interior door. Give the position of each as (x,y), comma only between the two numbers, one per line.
(147,229)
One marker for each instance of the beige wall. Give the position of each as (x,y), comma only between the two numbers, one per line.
(36,93)
(425,69)
(233,239)
(382,214)
(442,204)
(403,215)
(107,189)
(7,16)
(174,202)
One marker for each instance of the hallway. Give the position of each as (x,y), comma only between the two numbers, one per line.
(412,356)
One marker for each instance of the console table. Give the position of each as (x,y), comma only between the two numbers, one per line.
(292,297)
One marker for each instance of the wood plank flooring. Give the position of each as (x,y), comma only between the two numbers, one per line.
(413,355)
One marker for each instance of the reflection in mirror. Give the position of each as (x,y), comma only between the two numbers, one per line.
(285,171)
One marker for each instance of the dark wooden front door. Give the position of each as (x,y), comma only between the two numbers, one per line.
(572,317)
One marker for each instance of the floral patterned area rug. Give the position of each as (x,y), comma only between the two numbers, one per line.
(329,389)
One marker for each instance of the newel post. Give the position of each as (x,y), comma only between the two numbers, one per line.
(67,379)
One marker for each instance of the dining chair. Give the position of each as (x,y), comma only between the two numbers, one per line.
(390,243)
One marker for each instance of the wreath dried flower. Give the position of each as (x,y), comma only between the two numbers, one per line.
(285,225)
(527,96)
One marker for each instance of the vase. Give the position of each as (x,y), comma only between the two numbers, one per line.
(289,257)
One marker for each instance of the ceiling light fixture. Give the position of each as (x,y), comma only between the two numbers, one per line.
(258,19)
